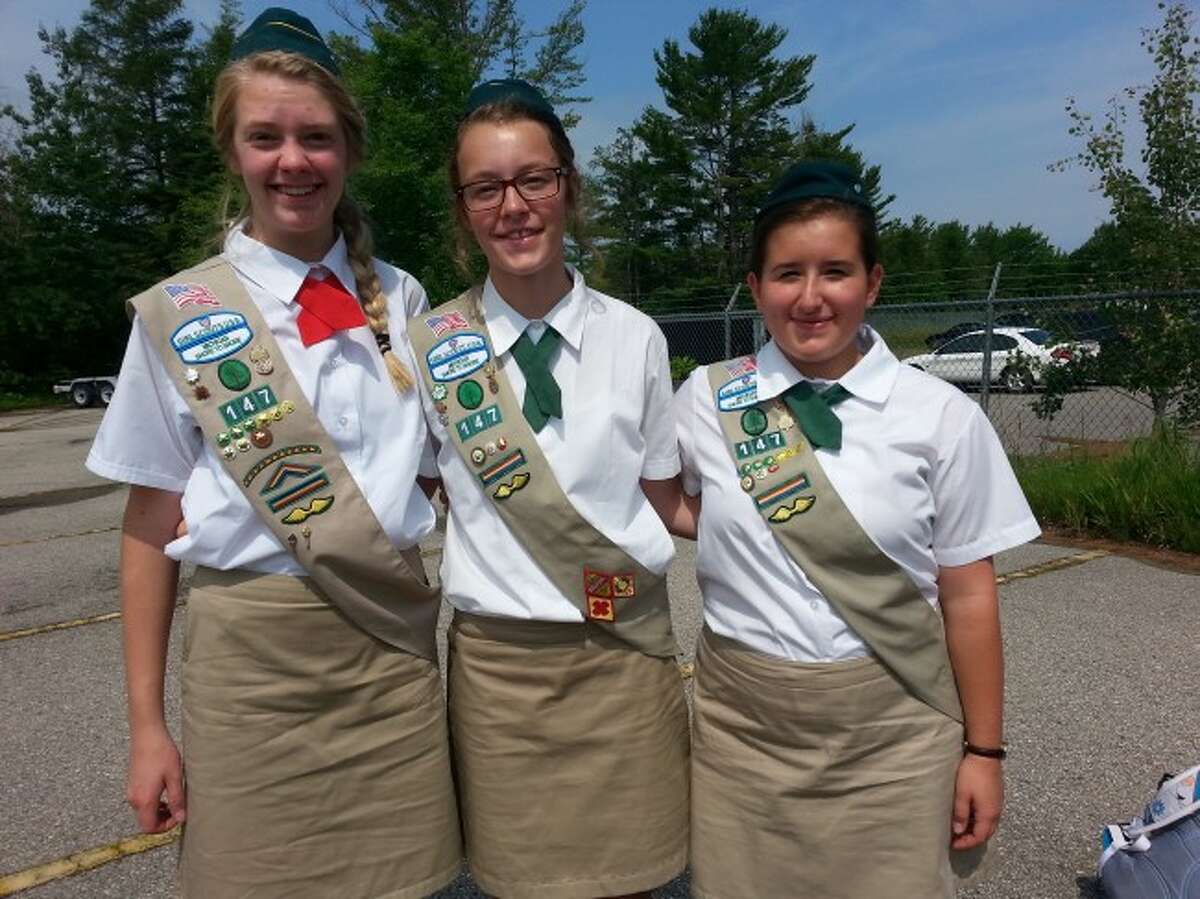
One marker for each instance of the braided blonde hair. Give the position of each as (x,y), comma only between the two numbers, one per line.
(348,217)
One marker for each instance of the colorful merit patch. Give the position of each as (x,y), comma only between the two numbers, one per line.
(504,491)
(601,609)
(266,462)
(478,421)
(444,324)
(798,507)
(248,405)
(782,491)
(764,443)
(738,393)
(293,482)
(502,468)
(208,338)
(601,589)
(184,295)
(457,356)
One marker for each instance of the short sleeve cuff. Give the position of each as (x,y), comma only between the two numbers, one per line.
(1014,535)
(127,474)
(661,469)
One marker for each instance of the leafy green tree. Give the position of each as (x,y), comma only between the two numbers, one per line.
(1155,345)
(729,99)
(487,36)
(100,166)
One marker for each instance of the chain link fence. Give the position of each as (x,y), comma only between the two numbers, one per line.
(1000,347)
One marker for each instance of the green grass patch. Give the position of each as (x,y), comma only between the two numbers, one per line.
(1147,493)
(10,402)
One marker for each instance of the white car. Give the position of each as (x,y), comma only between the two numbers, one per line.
(1020,356)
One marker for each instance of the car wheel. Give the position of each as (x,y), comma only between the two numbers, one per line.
(82,395)
(1015,380)
(106,392)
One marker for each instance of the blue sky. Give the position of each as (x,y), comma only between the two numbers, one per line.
(960,102)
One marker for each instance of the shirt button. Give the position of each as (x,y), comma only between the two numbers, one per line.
(813,604)
(343,421)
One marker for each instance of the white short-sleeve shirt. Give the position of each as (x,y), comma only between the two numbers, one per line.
(149,437)
(920,469)
(617,427)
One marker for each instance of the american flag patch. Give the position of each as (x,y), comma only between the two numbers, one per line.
(742,366)
(450,321)
(190,295)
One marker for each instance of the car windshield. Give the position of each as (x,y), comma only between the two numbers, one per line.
(1037,335)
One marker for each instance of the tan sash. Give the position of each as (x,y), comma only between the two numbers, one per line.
(477,406)
(219,352)
(782,477)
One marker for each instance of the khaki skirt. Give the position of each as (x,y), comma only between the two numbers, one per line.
(827,781)
(315,756)
(571,752)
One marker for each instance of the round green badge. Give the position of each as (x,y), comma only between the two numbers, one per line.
(234,375)
(470,394)
(754,421)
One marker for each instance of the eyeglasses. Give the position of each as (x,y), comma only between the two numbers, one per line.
(539,184)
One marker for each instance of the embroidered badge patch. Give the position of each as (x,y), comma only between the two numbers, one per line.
(294,482)
(785,513)
(234,374)
(738,393)
(754,421)
(601,589)
(443,324)
(183,295)
(457,356)
(782,491)
(742,366)
(267,461)
(208,338)
(470,394)
(478,421)
(504,491)
(303,513)
(248,405)
(764,443)
(502,469)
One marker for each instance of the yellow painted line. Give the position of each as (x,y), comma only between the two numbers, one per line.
(89,859)
(1052,565)
(116,527)
(58,626)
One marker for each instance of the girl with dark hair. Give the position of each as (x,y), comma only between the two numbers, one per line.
(552,406)
(263,402)
(847,714)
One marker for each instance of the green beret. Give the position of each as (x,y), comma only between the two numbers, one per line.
(281,29)
(816,178)
(512,90)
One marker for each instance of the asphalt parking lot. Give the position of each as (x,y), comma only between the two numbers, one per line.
(1101,671)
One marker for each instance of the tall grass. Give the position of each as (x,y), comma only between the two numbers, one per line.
(1149,493)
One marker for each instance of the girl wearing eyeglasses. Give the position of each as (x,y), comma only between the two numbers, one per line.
(551,403)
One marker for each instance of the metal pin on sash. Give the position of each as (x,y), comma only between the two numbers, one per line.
(292,541)
(306,532)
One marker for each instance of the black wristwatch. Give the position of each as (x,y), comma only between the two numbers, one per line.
(988,752)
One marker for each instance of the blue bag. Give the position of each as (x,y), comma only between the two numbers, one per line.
(1157,855)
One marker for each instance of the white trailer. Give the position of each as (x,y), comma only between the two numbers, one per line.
(86,391)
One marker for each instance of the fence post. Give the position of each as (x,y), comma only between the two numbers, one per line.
(985,389)
(728,322)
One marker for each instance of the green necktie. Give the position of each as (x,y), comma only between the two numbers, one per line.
(543,399)
(814,412)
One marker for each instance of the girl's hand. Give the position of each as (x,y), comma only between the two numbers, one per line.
(155,789)
(978,801)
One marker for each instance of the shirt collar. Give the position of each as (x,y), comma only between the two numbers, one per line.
(872,377)
(506,324)
(276,272)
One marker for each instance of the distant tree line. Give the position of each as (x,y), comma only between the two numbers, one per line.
(109,180)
